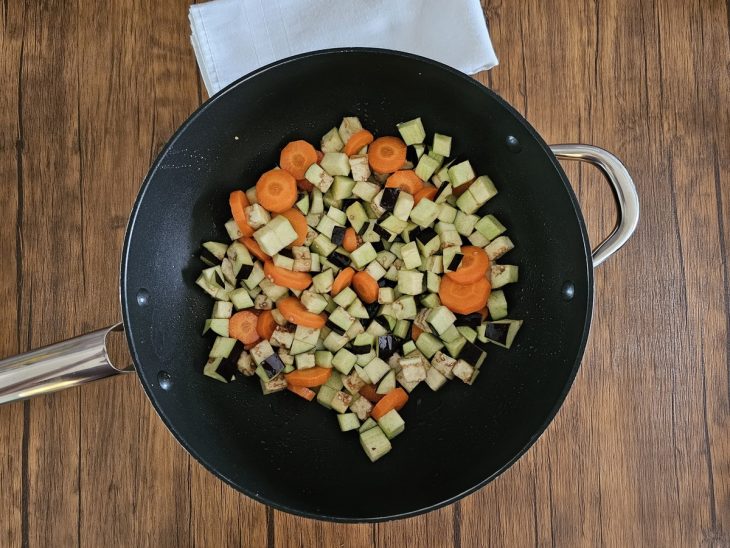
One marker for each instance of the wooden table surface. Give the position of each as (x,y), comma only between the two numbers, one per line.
(639,455)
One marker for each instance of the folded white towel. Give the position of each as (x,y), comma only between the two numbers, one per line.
(233,37)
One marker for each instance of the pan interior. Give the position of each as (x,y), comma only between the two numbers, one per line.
(280,449)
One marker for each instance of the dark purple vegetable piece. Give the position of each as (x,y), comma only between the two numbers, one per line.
(208,258)
(372,310)
(472,354)
(455,262)
(388,199)
(360,348)
(378,246)
(426,235)
(228,366)
(387,346)
(273,366)
(472,320)
(338,235)
(497,332)
(334,327)
(338,259)
(245,272)
(385,282)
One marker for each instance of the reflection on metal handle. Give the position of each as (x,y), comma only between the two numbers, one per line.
(623,189)
(58,366)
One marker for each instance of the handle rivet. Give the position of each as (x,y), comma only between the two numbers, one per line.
(164,380)
(568,291)
(513,144)
(143,297)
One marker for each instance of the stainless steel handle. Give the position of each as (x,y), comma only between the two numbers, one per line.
(58,366)
(624,190)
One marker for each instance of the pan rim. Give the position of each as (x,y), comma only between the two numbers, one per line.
(126,301)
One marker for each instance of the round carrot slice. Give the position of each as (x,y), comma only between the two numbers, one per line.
(242,326)
(426,192)
(265,325)
(351,241)
(464,298)
(287,278)
(343,280)
(276,190)
(406,180)
(473,266)
(255,249)
(296,157)
(395,399)
(386,154)
(366,287)
(307,378)
(298,223)
(357,141)
(293,310)
(239,202)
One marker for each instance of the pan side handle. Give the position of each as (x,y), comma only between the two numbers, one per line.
(62,365)
(627,200)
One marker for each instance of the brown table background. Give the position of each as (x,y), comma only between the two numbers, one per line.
(639,453)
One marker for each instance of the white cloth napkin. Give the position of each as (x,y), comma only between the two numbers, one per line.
(233,37)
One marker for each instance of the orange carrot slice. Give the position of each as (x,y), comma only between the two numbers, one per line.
(351,241)
(395,399)
(255,249)
(314,376)
(427,191)
(296,157)
(357,141)
(473,266)
(406,180)
(464,298)
(343,280)
(293,310)
(386,154)
(287,278)
(239,202)
(265,325)
(242,326)
(366,287)
(276,190)
(302,391)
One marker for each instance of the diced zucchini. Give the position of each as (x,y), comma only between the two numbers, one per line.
(303,204)
(477,238)
(403,206)
(444,364)
(435,379)
(239,256)
(463,370)
(391,424)
(427,166)
(356,215)
(232,229)
(404,307)
(222,309)
(490,227)
(358,310)
(503,274)
(410,282)
(500,332)
(331,141)
(425,213)
(375,443)
(387,383)
(467,203)
(482,189)
(461,173)
(465,223)
(428,344)
(441,319)
(376,370)
(467,332)
(320,179)
(498,247)
(325,396)
(441,144)
(368,424)
(341,401)
(363,255)
(359,167)
(348,421)
(497,305)
(335,163)
(334,342)
(222,347)
(240,298)
(412,131)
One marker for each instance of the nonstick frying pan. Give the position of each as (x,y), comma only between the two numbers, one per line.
(457,439)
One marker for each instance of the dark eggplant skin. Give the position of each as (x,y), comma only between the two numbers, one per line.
(363,228)
(382,232)
(208,258)
(245,272)
(497,332)
(440,190)
(360,348)
(389,198)
(472,320)
(372,310)
(228,366)
(387,346)
(378,246)
(455,262)
(426,235)
(338,259)
(273,366)
(471,354)
(338,235)
(334,327)
(385,282)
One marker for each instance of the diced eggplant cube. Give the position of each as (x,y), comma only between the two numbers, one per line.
(412,369)
(304,361)
(498,247)
(391,424)
(435,379)
(274,385)
(375,443)
(490,227)
(257,216)
(341,401)
(348,421)
(441,319)
(412,131)
(262,302)
(353,383)
(410,282)
(319,178)
(359,167)
(245,364)
(234,232)
(282,337)
(463,370)
(343,361)
(361,407)
(325,396)
(376,370)
(363,255)
(502,274)
(261,351)
(444,364)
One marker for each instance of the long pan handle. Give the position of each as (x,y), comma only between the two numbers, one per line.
(58,366)
(627,200)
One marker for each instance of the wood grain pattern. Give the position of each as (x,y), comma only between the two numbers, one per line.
(639,455)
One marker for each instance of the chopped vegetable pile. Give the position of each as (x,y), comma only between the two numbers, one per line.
(359,272)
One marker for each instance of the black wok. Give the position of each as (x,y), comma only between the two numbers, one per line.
(278,449)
